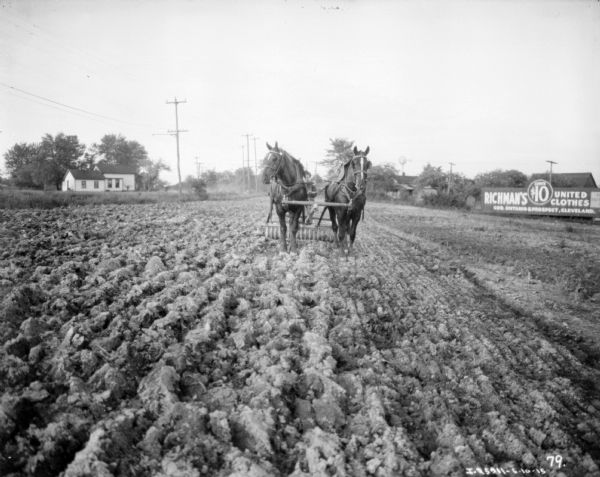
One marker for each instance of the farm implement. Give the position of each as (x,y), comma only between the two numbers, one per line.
(313,223)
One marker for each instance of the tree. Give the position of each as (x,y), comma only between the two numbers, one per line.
(149,172)
(57,154)
(87,161)
(45,163)
(19,161)
(210,178)
(500,178)
(198,186)
(381,178)
(433,177)
(339,152)
(113,150)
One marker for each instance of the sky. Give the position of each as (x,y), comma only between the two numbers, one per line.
(484,85)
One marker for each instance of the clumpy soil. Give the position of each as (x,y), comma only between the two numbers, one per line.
(175,340)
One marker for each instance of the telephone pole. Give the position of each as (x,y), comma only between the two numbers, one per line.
(551,162)
(243,164)
(248,157)
(450,178)
(254,138)
(176,134)
(198,164)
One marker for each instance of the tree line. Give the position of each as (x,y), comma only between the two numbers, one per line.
(44,164)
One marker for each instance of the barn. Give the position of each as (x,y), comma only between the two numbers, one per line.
(83,181)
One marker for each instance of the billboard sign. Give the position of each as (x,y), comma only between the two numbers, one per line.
(540,198)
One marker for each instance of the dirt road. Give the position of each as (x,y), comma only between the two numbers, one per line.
(176,341)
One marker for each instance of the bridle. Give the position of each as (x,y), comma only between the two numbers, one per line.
(279,163)
(361,171)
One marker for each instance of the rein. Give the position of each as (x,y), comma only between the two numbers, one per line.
(279,189)
(279,180)
(352,194)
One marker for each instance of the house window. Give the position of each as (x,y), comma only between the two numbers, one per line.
(96,184)
(109,183)
(83,184)
(116,183)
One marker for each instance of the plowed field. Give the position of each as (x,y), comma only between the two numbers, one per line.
(175,340)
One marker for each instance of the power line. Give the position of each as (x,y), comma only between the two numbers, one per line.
(34,30)
(74,108)
(58,108)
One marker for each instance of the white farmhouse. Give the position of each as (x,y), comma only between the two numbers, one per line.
(102,178)
(117,178)
(83,181)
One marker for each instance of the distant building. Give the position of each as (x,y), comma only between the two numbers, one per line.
(568,179)
(83,181)
(102,178)
(118,178)
(403,187)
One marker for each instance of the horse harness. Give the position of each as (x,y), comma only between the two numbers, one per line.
(280,190)
(344,186)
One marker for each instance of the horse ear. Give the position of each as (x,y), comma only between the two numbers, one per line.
(367,150)
(276,146)
(355,151)
(269,147)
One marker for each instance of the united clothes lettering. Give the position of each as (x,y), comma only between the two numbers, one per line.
(540,198)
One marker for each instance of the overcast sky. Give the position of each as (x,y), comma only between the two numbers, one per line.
(482,84)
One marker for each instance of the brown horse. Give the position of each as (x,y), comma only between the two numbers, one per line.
(349,189)
(288,181)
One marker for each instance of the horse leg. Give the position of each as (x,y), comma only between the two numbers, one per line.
(343,227)
(353,224)
(282,230)
(270,211)
(334,225)
(294,219)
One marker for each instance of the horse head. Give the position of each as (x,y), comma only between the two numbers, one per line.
(272,162)
(279,164)
(360,165)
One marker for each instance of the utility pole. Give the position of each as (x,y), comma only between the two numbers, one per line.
(176,134)
(450,178)
(248,157)
(551,162)
(254,138)
(243,163)
(198,164)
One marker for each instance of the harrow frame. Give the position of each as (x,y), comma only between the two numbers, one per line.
(307,230)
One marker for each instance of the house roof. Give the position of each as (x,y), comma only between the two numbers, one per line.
(86,175)
(115,169)
(569,179)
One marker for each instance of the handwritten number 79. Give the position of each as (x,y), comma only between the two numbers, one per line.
(555,459)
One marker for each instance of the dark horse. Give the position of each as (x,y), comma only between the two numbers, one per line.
(349,189)
(288,181)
